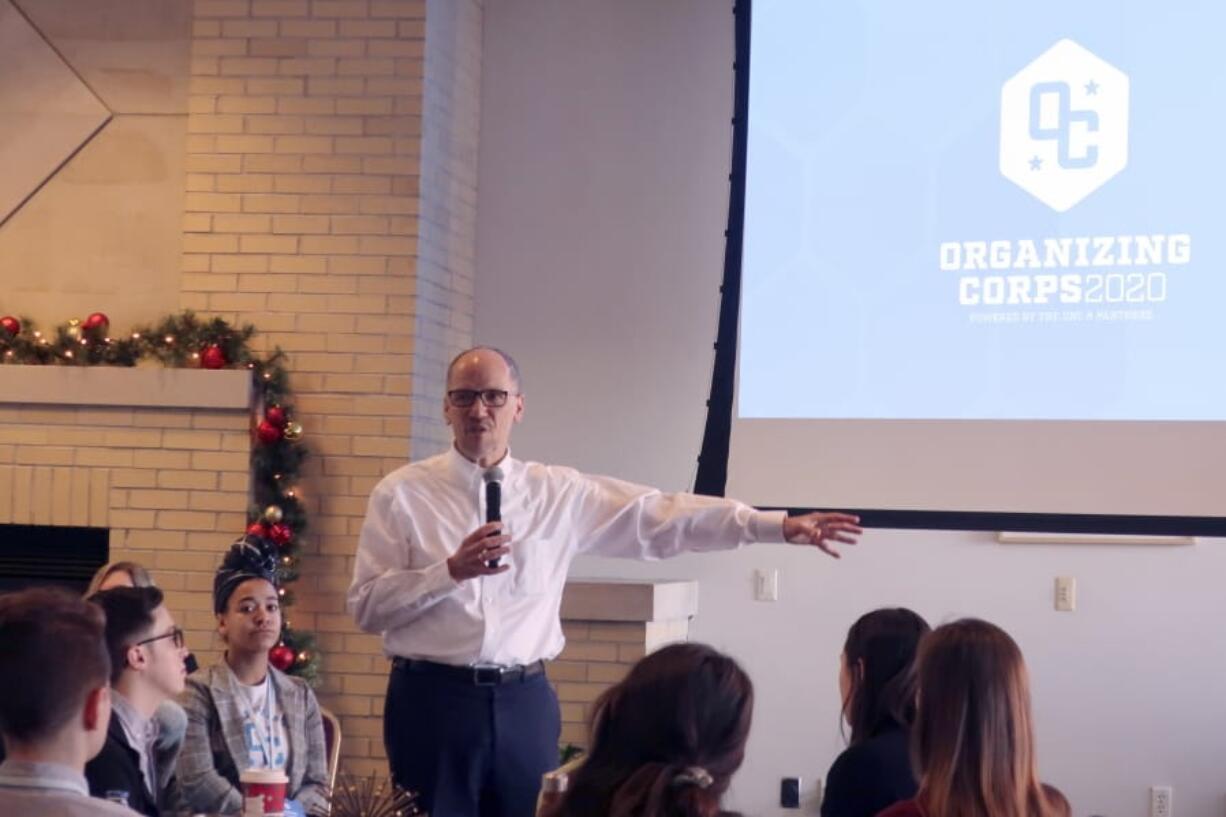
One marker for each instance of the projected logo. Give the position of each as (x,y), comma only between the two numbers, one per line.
(1064,125)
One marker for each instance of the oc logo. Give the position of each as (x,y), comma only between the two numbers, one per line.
(1064,125)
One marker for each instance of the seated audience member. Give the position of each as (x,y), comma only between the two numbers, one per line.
(242,712)
(665,741)
(119,574)
(169,718)
(53,716)
(973,740)
(877,684)
(147,655)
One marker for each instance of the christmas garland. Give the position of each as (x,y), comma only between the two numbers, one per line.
(277,454)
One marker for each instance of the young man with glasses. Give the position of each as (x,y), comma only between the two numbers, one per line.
(147,668)
(469,611)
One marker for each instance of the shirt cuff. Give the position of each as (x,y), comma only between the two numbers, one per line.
(438,580)
(767,526)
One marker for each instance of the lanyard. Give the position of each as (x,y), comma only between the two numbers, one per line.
(261,724)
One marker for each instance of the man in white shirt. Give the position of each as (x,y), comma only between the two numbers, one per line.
(469,611)
(147,669)
(54,704)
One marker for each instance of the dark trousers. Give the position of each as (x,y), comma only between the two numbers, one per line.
(468,749)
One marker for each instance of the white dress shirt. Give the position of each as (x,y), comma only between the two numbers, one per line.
(419,514)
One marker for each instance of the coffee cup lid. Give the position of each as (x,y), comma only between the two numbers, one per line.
(256,775)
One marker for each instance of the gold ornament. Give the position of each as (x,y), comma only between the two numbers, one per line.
(273,514)
(74,329)
(293,431)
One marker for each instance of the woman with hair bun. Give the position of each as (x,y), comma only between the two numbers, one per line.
(665,741)
(242,712)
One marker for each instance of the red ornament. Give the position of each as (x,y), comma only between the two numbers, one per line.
(277,416)
(96,320)
(10,325)
(281,657)
(213,357)
(268,433)
(281,533)
(257,528)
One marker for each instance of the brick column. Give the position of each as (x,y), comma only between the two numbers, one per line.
(609,625)
(307,175)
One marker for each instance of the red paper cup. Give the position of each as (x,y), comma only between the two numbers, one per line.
(263,792)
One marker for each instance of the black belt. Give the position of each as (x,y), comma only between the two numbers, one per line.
(477,676)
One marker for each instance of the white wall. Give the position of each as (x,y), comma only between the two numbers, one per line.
(604,156)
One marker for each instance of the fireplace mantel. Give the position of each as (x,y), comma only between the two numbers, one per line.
(115,386)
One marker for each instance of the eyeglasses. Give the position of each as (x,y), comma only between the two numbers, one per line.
(176,634)
(492,398)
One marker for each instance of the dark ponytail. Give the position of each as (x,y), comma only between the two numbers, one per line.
(665,740)
(880,652)
(666,790)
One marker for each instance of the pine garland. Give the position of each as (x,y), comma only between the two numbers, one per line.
(277,454)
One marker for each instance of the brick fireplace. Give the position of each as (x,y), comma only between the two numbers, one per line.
(158,457)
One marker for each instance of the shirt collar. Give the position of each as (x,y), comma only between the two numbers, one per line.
(467,472)
(136,725)
(22,775)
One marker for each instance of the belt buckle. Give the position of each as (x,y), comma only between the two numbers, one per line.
(487,676)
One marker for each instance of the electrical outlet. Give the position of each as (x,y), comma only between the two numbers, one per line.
(789,792)
(1161,801)
(766,584)
(1066,594)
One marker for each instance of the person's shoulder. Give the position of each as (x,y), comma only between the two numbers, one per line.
(113,760)
(887,750)
(903,808)
(412,473)
(547,472)
(1057,801)
(197,689)
(59,804)
(293,683)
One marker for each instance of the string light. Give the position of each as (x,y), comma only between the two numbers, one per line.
(68,354)
(170,339)
(136,336)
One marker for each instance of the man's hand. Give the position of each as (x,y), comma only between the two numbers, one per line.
(822,529)
(485,543)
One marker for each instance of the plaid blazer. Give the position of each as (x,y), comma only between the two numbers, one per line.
(214,753)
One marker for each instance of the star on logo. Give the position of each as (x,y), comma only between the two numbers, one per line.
(1036,163)
(1091,88)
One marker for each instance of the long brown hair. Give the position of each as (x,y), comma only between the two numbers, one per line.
(973,739)
(665,740)
(880,653)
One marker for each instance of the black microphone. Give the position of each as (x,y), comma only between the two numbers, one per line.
(493,500)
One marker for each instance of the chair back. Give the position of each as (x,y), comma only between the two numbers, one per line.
(332,744)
